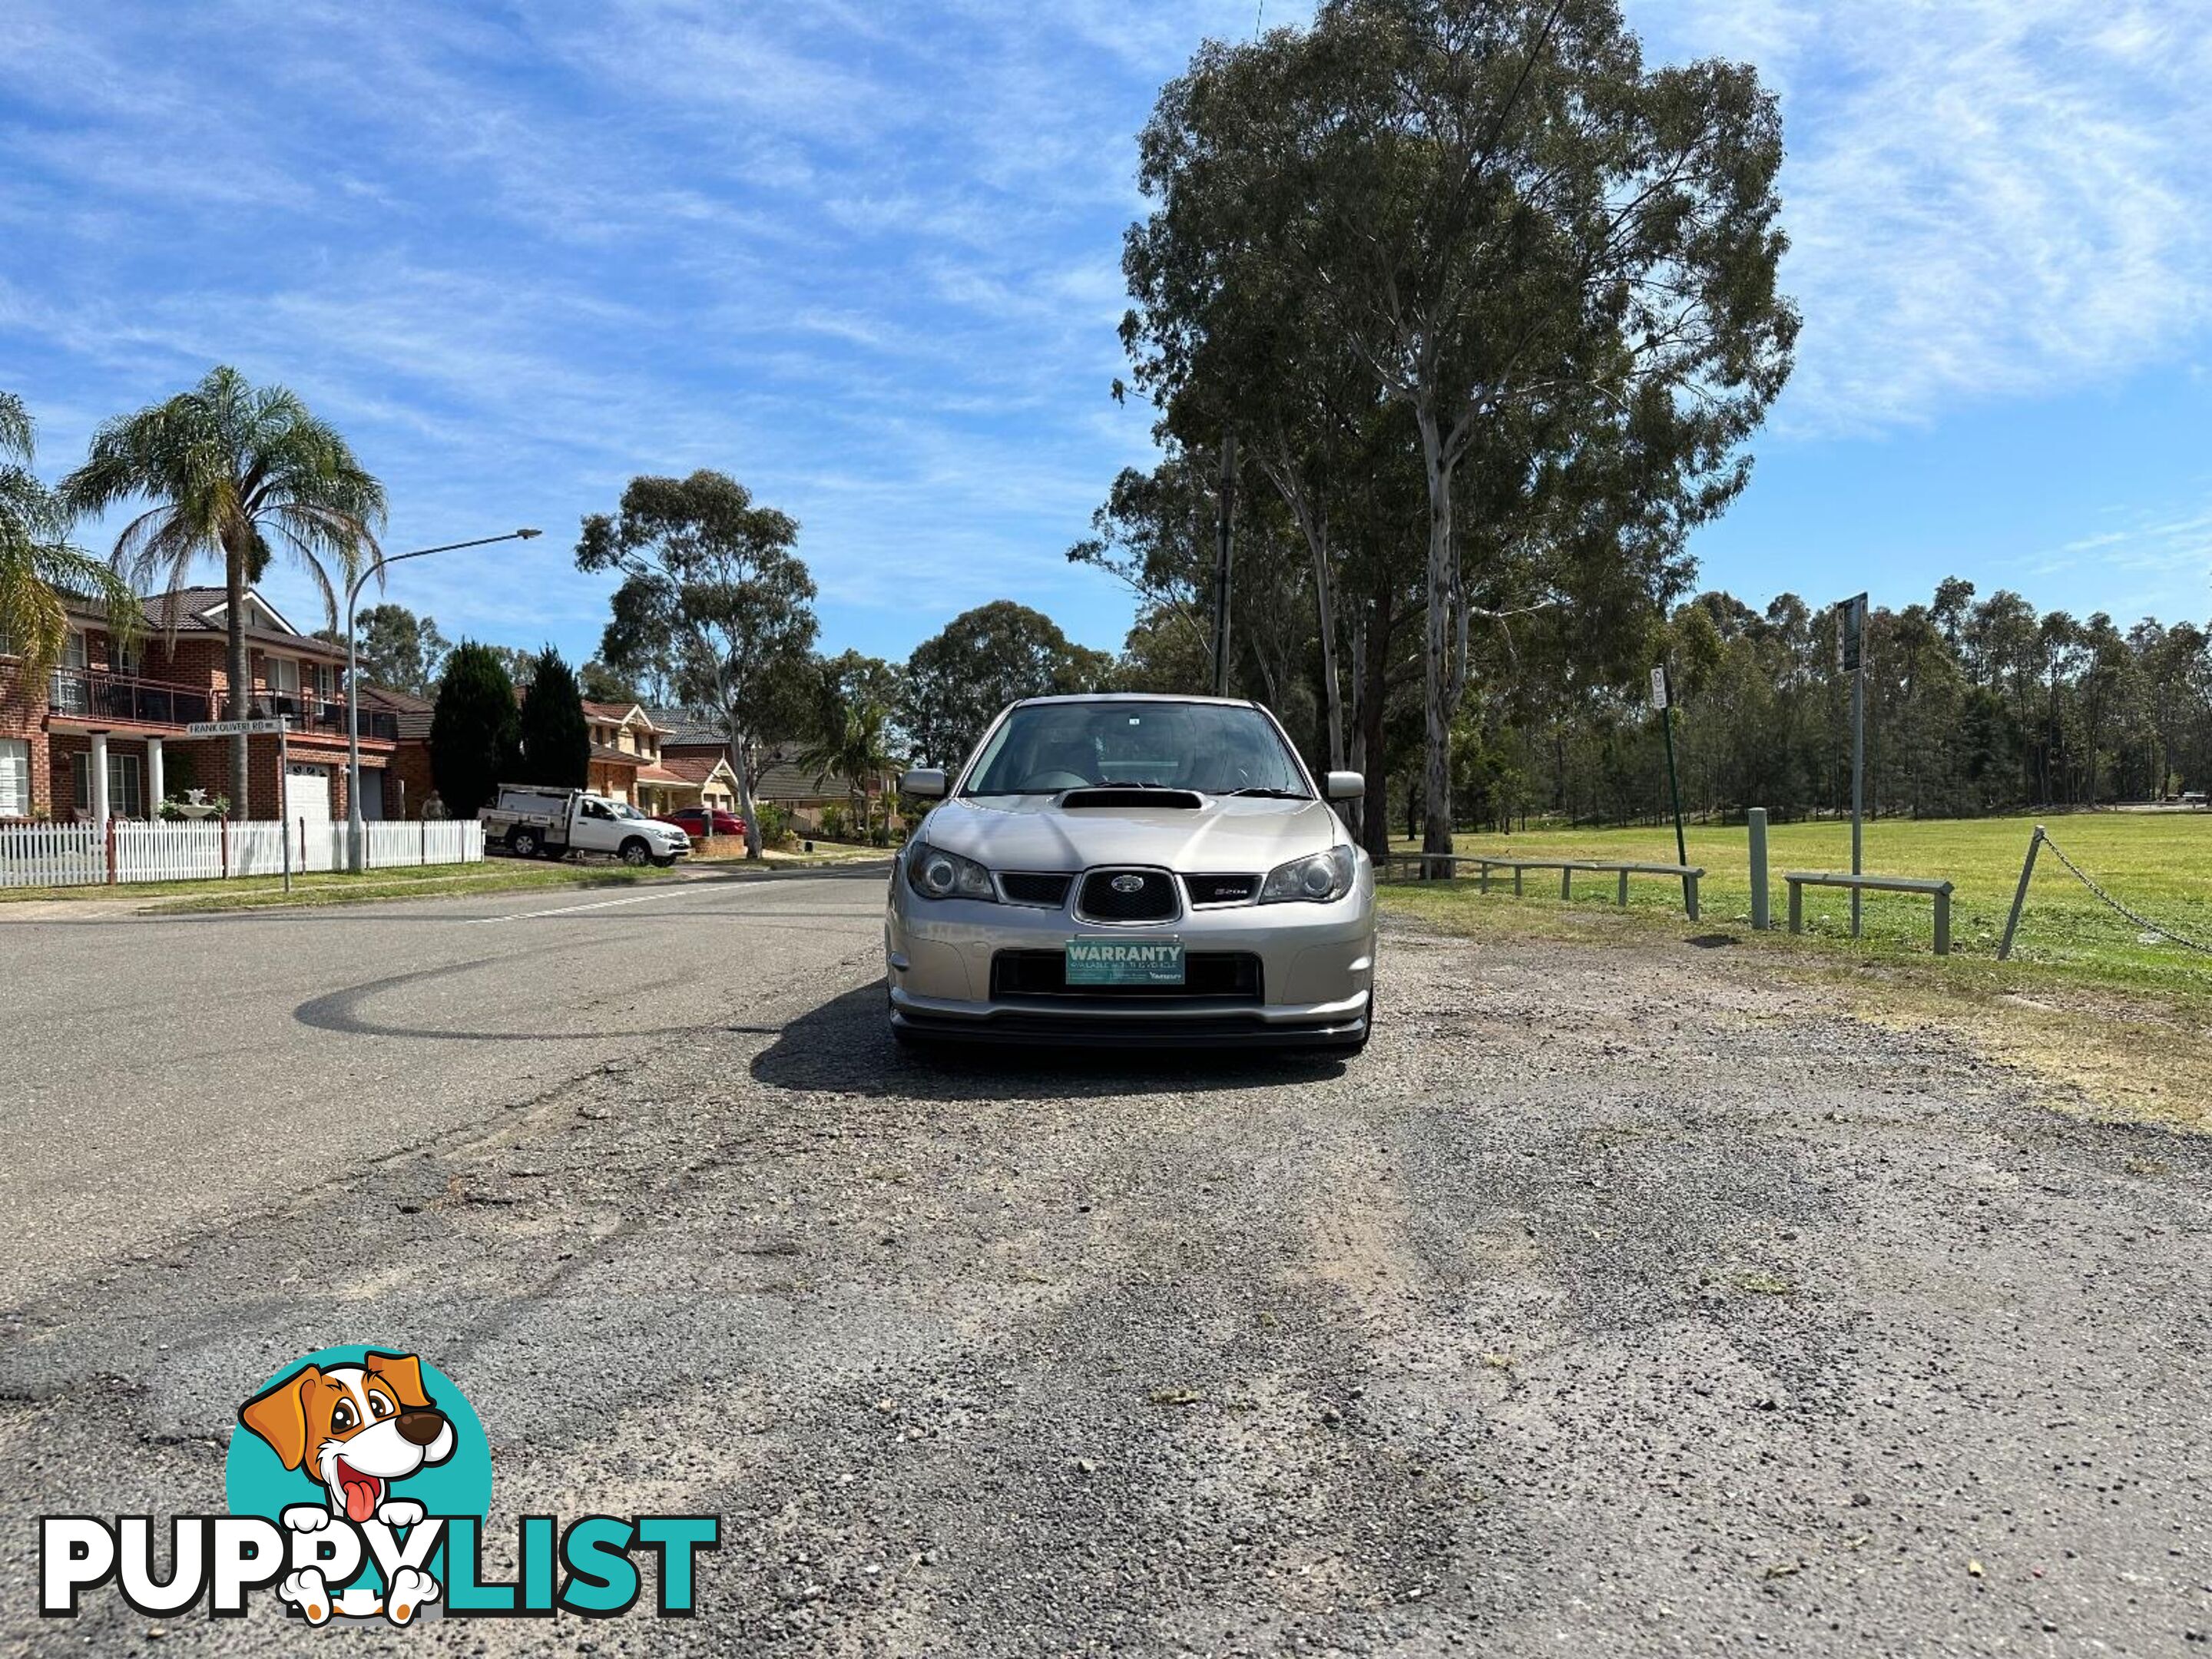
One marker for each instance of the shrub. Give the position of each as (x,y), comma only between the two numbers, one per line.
(473,730)
(774,824)
(555,739)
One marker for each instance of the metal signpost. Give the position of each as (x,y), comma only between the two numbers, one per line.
(1664,702)
(1851,657)
(281,728)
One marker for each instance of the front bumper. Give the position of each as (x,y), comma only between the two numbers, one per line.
(1316,966)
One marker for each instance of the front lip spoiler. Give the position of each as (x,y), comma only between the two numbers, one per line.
(1029,1028)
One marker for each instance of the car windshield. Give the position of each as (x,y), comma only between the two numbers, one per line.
(1217,749)
(623,809)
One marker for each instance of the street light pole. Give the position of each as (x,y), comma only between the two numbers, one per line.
(354,834)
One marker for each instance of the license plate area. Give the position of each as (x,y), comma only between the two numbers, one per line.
(1125,962)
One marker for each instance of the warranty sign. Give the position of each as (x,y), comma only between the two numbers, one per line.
(1124,961)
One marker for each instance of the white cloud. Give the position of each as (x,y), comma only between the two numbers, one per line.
(1986,199)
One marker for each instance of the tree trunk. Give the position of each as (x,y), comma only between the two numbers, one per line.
(233,617)
(741,764)
(1315,530)
(1437,675)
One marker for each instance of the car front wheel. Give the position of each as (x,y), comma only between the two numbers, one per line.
(635,852)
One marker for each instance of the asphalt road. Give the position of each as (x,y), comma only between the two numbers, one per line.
(174,1069)
(1616,1302)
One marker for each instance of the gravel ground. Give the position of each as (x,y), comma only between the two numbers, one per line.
(1611,1303)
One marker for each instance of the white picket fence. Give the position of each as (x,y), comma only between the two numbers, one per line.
(82,854)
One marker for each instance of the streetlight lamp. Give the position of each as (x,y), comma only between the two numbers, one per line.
(354,834)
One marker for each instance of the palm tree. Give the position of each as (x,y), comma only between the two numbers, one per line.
(39,571)
(235,472)
(854,743)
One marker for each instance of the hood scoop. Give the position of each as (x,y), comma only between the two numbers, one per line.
(1108,796)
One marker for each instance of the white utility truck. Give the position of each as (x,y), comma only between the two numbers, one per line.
(533,821)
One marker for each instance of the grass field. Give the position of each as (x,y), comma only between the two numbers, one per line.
(2159,863)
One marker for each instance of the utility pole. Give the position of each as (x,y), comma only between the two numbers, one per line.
(1221,563)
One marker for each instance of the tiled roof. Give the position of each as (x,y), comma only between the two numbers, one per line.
(684,727)
(600,752)
(619,712)
(185,604)
(412,712)
(179,610)
(692,769)
(660,775)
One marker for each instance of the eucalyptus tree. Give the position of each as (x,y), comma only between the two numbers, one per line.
(959,680)
(710,572)
(1561,264)
(40,571)
(236,474)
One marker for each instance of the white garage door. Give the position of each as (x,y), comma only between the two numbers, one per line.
(307,794)
(307,797)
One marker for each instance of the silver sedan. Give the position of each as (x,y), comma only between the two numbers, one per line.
(1132,871)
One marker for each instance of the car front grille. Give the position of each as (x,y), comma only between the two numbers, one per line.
(1221,889)
(1208,976)
(1152,899)
(1028,889)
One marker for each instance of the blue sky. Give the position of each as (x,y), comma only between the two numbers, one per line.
(866,259)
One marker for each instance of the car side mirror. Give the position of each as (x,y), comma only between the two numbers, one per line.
(1346,786)
(924,783)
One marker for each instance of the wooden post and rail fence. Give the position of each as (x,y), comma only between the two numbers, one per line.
(1388,867)
(1448,867)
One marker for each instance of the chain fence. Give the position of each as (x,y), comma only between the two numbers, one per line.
(2135,916)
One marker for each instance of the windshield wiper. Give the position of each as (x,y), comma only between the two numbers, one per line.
(1274,794)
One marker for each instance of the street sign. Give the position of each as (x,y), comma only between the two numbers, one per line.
(234,728)
(1659,687)
(1851,636)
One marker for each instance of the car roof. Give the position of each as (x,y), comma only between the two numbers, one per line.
(1133,696)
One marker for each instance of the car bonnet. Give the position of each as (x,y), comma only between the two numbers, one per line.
(1223,835)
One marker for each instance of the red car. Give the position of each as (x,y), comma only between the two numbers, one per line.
(692,820)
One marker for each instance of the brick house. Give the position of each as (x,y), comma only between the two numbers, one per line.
(104,734)
(408,784)
(628,763)
(783,781)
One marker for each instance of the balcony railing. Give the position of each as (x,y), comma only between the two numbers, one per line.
(87,695)
(326,715)
(84,693)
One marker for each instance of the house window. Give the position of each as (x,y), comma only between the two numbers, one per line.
(326,681)
(126,791)
(126,657)
(15,778)
(282,674)
(73,652)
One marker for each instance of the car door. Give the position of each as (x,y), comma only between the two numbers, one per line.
(594,828)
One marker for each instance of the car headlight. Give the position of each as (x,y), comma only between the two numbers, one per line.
(935,873)
(1314,880)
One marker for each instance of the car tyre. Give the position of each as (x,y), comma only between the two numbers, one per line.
(636,854)
(524,843)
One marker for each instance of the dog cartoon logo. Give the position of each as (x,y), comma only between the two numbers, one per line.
(358,1488)
(367,1431)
